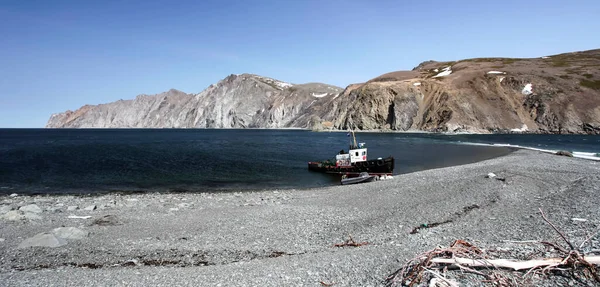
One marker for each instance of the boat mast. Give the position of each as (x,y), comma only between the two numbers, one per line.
(353,137)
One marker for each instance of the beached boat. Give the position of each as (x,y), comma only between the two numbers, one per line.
(362,177)
(354,162)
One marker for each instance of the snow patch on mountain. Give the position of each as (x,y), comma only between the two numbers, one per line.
(279,84)
(319,95)
(527,90)
(445,72)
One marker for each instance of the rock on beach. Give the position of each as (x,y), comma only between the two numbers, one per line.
(70,233)
(13,215)
(45,239)
(33,208)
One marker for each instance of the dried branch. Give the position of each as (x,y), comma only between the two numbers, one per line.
(556,229)
(442,278)
(589,238)
(350,242)
(555,246)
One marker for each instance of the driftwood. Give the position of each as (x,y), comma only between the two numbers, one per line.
(512,264)
(469,258)
(440,278)
(412,272)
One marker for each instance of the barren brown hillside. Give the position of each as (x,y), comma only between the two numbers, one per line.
(553,94)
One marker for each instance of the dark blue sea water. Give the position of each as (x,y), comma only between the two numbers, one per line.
(51,161)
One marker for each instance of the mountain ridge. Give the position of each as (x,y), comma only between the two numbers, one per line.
(551,94)
(236,101)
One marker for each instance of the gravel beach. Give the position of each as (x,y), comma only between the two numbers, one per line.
(287,237)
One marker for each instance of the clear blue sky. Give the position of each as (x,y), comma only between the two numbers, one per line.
(59,55)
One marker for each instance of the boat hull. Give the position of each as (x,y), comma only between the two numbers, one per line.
(383,166)
(361,178)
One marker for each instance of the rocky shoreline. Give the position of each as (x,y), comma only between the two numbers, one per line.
(288,238)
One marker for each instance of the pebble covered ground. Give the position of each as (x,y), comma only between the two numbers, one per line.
(288,237)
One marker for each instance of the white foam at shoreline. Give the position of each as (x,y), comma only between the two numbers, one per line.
(577,154)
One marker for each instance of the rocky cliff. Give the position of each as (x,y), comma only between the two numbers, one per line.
(553,94)
(238,101)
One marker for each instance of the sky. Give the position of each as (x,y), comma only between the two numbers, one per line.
(60,55)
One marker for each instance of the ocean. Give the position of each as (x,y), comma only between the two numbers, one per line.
(95,161)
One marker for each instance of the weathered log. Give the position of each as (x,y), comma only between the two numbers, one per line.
(511,264)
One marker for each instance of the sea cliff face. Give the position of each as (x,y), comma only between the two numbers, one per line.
(554,94)
(238,101)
